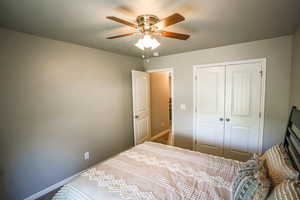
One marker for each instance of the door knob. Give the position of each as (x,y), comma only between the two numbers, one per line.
(221,119)
(136,116)
(227,119)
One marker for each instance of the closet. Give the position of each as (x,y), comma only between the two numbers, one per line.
(229,103)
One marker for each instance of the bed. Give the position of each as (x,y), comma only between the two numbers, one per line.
(155,171)
(292,138)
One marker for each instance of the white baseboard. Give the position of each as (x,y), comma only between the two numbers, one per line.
(160,134)
(51,188)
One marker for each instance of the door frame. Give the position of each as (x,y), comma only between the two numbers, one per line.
(133,108)
(171,71)
(263,62)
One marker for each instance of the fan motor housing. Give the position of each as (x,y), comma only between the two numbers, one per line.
(146,22)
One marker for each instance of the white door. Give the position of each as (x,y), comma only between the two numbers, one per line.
(209,116)
(141,106)
(242,113)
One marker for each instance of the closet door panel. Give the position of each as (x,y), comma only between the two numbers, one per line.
(210,88)
(243,94)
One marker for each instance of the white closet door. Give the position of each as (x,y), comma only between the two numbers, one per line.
(242,113)
(209,119)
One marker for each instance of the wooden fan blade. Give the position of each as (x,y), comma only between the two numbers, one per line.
(122,21)
(179,36)
(123,35)
(172,19)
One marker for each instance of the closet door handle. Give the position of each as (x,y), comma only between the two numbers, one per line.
(227,119)
(221,119)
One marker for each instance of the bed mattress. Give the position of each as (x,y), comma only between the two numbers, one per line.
(155,171)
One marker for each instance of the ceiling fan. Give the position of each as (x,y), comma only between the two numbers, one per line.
(150,26)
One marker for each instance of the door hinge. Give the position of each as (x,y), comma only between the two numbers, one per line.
(259,114)
(196,109)
(196,78)
(261,73)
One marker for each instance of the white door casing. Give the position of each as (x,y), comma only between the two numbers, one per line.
(242,110)
(244,97)
(210,89)
(141,106)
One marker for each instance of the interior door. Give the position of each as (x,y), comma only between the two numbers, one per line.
(243,103)
(210,105)
(141,106)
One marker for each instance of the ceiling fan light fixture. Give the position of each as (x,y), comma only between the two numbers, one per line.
(155,44)
(148,26)
(140,45)
(147,42)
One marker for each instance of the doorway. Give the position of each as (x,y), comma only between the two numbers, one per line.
(153,106)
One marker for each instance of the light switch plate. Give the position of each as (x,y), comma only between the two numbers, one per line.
(182,106)
(86,155)
(156,54)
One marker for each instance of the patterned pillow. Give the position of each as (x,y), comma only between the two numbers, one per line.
(287,190)
(251,184)
(279,165)
(251,166)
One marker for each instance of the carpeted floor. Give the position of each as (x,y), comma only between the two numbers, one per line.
(164,140)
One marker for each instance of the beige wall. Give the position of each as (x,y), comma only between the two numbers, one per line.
(59,100)
(54,96)
(278,54)
(160,94)
(295,90)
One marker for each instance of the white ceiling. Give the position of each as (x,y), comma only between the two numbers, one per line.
(210,23)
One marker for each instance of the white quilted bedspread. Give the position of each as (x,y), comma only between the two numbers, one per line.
(155,171)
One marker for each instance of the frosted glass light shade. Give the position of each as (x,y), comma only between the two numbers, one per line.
(147,42)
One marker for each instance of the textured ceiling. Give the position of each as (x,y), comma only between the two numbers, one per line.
(210,23)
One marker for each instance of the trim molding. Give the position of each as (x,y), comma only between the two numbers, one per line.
(63,182)
(160,134)
(51,188)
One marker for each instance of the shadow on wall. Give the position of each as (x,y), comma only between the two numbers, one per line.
(3,194)
(272,126)
(183,141)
